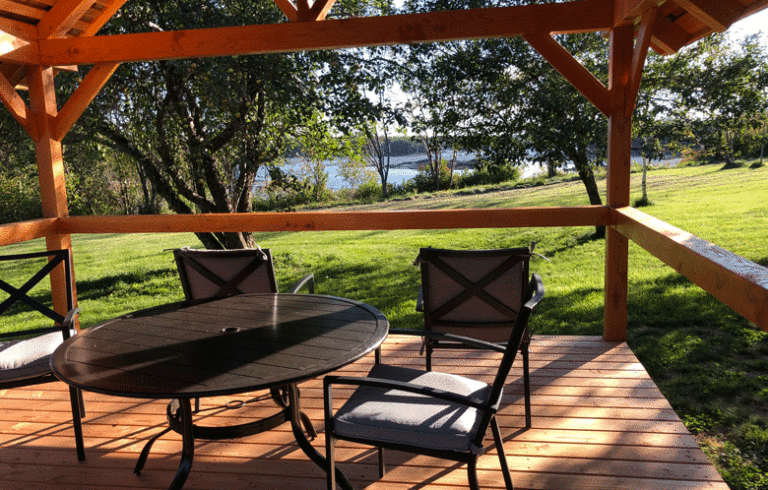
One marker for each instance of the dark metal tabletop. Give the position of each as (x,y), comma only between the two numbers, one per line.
(225,346)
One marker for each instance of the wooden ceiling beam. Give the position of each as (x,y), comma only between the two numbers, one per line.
(18,29)
(583,16)
(62,17)
(626,11)
(103,17)
(668,37)
(718,15)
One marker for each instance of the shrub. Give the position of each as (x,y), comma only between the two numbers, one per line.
(424,181)
(486,173)
(19,199)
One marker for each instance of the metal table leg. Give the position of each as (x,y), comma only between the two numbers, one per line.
(301,438)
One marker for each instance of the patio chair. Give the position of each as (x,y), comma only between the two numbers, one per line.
(477,294)
(25,353)
(214,273)
(208,274)
(427,412)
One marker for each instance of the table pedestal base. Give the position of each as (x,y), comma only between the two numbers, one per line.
(179,414)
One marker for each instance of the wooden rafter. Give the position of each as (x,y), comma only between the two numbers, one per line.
(62,17)
(562,61)
(103,17)
(718,15)
(329,34)
(18,29)
(628,10)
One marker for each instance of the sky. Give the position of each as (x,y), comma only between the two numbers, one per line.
(752,24)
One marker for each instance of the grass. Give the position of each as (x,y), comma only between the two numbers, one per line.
(709,362)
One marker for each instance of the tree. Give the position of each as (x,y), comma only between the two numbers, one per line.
(200,129)
(719,89)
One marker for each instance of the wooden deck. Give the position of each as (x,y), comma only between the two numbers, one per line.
(599,422)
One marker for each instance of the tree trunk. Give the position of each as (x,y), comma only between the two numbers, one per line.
(644,199)
(587,176)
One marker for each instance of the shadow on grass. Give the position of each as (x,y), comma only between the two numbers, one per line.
(127,283)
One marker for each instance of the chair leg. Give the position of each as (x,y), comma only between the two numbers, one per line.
(526,386)
(330,471)
(382,469)
(500,450)
(75,397)
(472,474)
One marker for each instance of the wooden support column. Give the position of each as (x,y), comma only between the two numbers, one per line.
(619,161)
(50,169)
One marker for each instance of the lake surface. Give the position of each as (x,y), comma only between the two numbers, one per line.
(402,169)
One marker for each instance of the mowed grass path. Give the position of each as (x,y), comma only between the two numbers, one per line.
(710,362)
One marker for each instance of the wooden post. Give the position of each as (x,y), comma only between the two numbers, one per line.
(619,161)
(50,170)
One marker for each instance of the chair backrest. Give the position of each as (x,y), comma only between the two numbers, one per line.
(531,301)
(22,293)
(217,273)
(474,292)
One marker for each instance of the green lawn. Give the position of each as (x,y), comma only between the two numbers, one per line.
(710,363)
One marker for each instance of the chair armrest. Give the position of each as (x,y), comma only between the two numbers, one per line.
(468,341)
(308,280)
(69,321)
(448,396)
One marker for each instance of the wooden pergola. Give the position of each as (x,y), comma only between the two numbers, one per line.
(42,36)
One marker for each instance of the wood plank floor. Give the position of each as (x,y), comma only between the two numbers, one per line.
(599,422)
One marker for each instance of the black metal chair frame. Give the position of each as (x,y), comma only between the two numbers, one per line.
(56,257)
(430,257)
(489,407)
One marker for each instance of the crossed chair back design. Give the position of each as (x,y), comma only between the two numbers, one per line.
(217,273)
(25,354)
(477,294)
(427,412)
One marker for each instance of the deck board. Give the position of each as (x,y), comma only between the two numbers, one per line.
(599,422)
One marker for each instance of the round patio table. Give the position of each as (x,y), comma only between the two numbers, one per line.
(218,347)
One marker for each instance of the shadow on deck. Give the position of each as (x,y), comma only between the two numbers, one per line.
(599,422)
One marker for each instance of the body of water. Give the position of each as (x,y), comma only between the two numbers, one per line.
(403,169)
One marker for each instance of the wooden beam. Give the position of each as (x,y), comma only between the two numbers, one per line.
(98,22)
(62,17)
(289,9)
(644,34)
(19,29)
(302,7)
(718,15)
(325,221)
(739,283)
(320,9)
(619,160)
(570,68)
(583,16)
(17,107)
(668,37)
(23,231)
(627,11)
(97,76)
